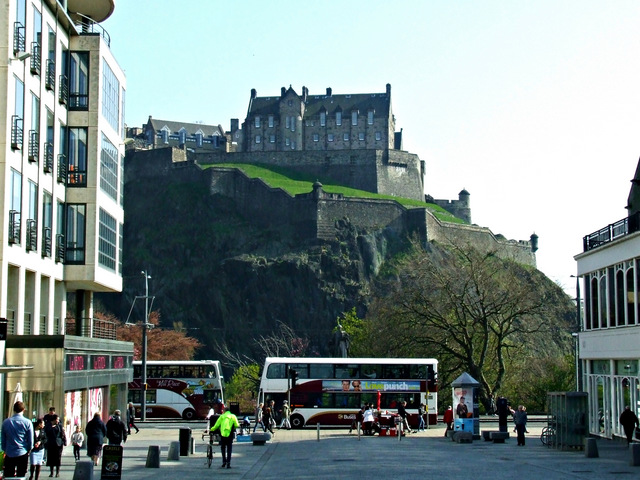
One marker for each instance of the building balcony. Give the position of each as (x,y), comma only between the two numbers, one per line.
(90,327)
(611,232)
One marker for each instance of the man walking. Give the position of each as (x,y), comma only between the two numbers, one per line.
(116,429)
(227,424)
(17,441)
(629,421)
(131,418)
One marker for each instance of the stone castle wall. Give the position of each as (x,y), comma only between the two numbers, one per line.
(391,172)
(314,215)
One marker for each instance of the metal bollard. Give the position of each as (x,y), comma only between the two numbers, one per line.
(358,426)
(318,429)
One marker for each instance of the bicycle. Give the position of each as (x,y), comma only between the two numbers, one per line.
(548,436)
(209,446)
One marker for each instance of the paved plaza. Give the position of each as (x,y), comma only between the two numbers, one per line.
(303,454)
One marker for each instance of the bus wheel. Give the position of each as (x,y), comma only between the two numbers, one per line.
(297,421)
(189,414)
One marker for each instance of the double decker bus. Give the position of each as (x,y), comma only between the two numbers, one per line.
(330,391)
(178,389)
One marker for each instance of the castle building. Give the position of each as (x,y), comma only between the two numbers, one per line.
(609,337)
(194,136)
(292,122)
(61,166)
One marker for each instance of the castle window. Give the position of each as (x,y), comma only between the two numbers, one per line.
(338,118)
(378,136)
(370,117)
(345,137)
(323,119)
(272,139)
(293,145)
(287,142)
(361,136)
(354,118)
(257,122)
(330,137)
(258,139)
(270,120)
(316,137)
(287,122)
(293,124)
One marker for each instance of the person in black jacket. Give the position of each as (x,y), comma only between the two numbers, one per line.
(116,429)
(629,421)
(96,431)
(56,441)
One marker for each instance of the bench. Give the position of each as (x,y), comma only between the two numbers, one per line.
(260,438)
(498,437)
(463,437)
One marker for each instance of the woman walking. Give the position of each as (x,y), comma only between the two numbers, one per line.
(96,430)
(36,456)
(56,441)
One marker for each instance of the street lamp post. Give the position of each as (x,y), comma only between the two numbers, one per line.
(577,335)
(143,401)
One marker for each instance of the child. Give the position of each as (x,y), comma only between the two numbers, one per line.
(77,439)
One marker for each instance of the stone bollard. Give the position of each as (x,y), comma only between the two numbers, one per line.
(83,470)
(260,438)
(174,451)
(634,450)
(153,457)
(590,448)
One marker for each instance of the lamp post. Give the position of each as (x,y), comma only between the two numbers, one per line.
(143,401)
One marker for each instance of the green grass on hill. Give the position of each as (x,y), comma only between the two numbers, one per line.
(295,182)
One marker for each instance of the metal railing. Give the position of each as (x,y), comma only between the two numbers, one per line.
(63,93)
(88,26)
(16,132)
(62,168)
(14,227)
(35,58)
(611,232)
(46,242)
(47,165)
(91,327)
(34,145)
(50,79)
(60,248)
(32,235)
(18,38)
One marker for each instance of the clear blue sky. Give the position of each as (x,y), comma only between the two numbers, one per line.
(532,106)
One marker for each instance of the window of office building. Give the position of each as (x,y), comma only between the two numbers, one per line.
(47,223)
(107,237)
(121,245)
(75,233)
(79,81)
(109,168)
(110,96)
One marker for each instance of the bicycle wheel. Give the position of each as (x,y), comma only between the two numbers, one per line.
(548,436)
(209,455)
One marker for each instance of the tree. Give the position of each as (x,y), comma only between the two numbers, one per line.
(243,386)
(473,311)
(162,344)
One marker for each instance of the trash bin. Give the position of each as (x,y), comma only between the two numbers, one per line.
(185,441)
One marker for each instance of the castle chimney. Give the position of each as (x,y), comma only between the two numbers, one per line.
(388,89)
(253,93)
(305,92)
(283,91)
(328,91)
(234,124)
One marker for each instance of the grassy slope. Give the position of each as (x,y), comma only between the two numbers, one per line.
(296,182)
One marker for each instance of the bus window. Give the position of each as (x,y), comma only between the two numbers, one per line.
(321,370)
(302,369)
(418,372)
(347,371)
(276,370)
(371,371)
(395,371)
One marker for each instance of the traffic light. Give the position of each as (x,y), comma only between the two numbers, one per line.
(293,375)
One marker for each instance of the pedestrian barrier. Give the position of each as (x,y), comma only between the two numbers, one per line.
(153,457)
(499,437)
(83,470)
(590,448)
(463,437)
(174,451)
(634,451)
(260,438)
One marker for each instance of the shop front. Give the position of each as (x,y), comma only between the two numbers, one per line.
(80,376)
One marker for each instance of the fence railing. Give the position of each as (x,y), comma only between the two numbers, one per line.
(611,232)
